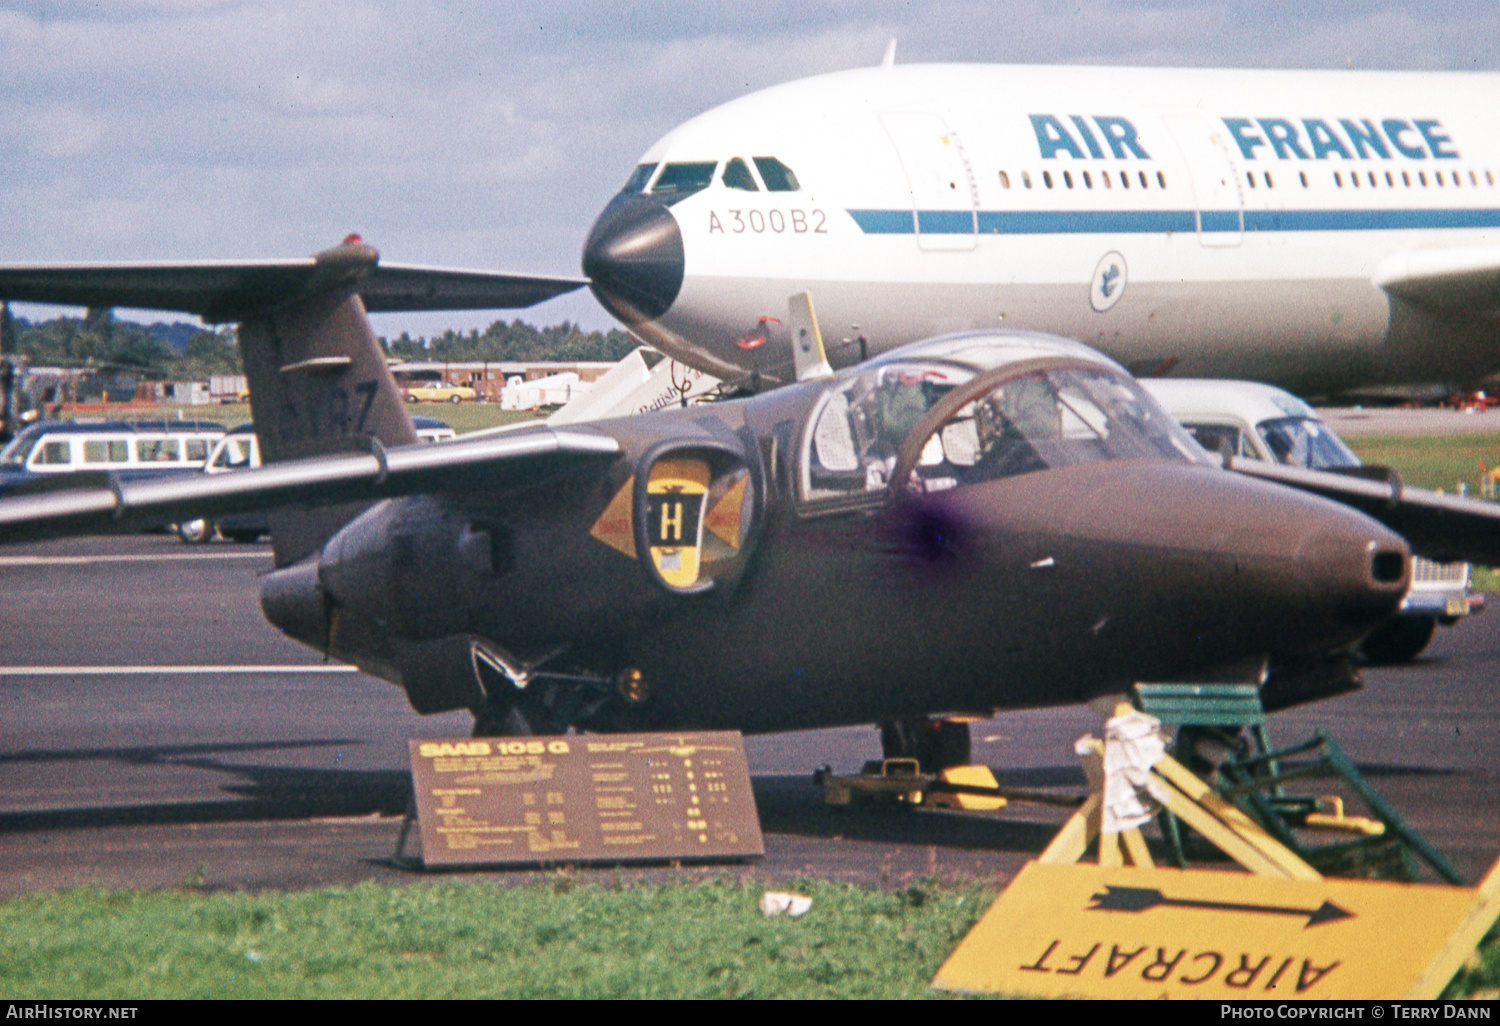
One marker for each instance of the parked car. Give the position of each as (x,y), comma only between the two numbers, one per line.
(439,392)
(126,449)
(1260,422)
(239,449)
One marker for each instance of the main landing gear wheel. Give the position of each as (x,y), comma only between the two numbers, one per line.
(504,716)
(935,744)
(195,532)
(1399,640)
(1204,749)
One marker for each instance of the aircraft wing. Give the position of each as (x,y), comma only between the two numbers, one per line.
(108,504)
(219,290)
(1458,280)
(1444,528)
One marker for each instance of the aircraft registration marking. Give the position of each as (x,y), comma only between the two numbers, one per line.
(794,221)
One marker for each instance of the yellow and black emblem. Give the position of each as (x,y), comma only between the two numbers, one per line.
(676,493)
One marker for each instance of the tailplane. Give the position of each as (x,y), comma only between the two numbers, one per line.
(319,385)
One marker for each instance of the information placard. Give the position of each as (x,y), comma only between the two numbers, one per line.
(584,798)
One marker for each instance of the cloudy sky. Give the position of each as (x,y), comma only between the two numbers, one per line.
(488,135)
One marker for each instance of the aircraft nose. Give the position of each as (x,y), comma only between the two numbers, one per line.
(634,258)
(1302,572)
(1186,567)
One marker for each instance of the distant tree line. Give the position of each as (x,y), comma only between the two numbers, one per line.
(185,352)
(176,352)
(516,341)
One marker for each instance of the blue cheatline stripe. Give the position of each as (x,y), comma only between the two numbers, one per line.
(1075,222)
(946,222)
(886,222)
(1220,221)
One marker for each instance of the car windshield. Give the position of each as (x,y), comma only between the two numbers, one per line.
(234,452)
(1305,442)
(15,452)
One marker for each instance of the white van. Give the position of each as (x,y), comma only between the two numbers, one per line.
(1265,423)
(240,450)
(128,450)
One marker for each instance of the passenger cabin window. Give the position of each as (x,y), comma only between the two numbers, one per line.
(157,450)
(112,451)
(777,176)
(197,449)
(1218,437)
(638,178)
(54,454)
(737,176)
(679,181)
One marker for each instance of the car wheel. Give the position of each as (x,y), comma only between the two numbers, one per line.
(194,532)
(456,399)
(411,398)
(1399,640)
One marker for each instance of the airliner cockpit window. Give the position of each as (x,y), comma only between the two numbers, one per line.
(1046,420)
(679,181)
(638,178)
(737,176)
(859,427)
(777,176)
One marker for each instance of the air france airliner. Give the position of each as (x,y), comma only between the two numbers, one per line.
(1317,229)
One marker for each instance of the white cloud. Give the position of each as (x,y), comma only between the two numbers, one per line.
(490,135)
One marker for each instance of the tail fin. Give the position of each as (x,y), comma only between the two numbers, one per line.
(319,384)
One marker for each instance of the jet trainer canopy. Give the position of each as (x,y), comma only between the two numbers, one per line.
(976,407)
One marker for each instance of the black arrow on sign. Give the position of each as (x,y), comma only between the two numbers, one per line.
(1139,899)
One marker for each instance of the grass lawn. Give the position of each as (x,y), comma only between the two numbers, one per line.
(1437,462)
(558,939)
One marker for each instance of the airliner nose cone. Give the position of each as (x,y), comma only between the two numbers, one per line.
(633,258)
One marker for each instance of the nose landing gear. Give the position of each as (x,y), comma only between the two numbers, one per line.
(935,744)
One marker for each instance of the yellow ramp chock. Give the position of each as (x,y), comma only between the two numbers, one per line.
(967,776)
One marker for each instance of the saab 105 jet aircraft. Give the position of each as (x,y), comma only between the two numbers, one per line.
(976,522)
(1316,229)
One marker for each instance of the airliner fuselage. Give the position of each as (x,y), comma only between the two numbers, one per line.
(1317,229)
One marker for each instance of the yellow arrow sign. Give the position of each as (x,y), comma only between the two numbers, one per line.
(1121,932)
